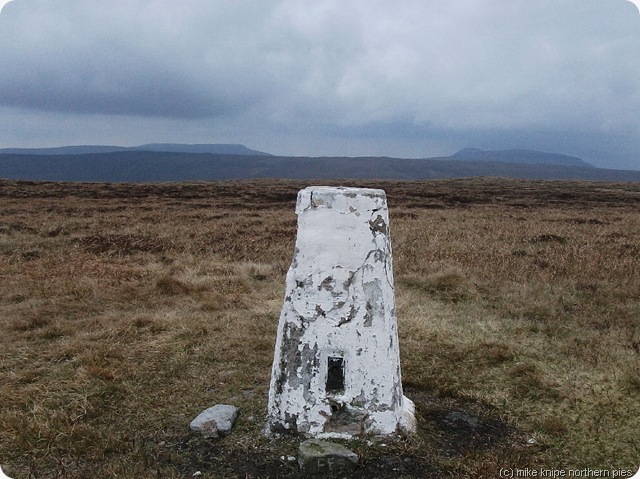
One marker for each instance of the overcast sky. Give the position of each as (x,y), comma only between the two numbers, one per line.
(411,78)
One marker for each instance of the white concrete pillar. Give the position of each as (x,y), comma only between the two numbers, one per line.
(336,368)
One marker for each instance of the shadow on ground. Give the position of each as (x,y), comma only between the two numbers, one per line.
(448,431)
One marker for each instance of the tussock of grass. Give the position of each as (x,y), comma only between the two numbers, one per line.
(127,309)
(445,285)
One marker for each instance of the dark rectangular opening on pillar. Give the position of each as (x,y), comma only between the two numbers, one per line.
(335,374)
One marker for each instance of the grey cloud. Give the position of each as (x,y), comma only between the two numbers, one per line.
(157,58)
(482,64)
(397,70)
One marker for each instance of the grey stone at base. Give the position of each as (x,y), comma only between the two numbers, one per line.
(317,457)
(216,420)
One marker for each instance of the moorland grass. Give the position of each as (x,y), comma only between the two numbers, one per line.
(127,309)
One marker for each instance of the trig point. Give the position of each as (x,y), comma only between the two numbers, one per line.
(336,368)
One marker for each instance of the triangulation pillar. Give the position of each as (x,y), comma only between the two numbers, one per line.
(336,368)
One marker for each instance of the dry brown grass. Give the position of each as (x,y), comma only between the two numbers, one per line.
(127,309)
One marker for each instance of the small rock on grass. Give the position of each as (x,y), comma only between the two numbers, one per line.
(216,420)
(317,457)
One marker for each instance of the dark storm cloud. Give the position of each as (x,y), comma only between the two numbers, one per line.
(393,71)
(155,58)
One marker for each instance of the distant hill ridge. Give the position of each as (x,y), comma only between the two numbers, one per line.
(145,165)
(530,157)
(215,149)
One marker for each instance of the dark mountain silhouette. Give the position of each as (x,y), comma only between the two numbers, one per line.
(63,150)
(151,166)
(530,157)
(216,148)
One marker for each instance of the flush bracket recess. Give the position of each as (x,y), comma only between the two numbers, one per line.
(335,374)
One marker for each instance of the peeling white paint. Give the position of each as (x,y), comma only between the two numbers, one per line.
(339,310)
